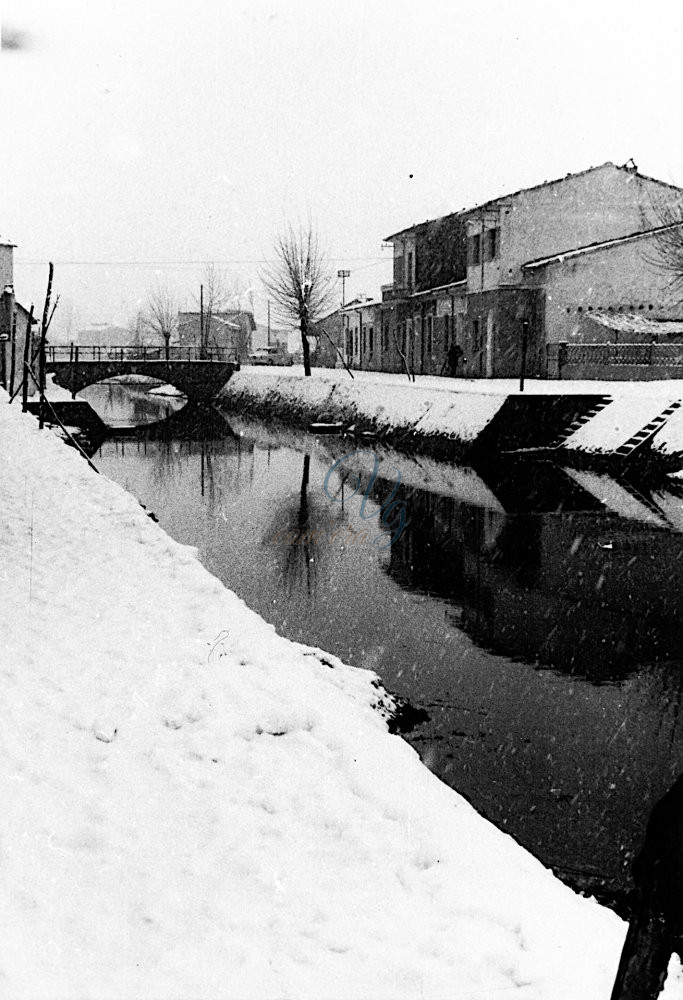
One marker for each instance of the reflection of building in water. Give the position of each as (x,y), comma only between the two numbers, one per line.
(566,764)
(577,590)
(428,555)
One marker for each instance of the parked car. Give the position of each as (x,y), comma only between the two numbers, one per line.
(263,356)
(269,356)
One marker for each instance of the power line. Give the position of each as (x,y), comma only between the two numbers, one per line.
(173,263)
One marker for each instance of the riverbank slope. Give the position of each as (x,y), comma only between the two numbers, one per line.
(454,418)
(198,807)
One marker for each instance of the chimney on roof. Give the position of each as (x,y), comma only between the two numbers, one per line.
(630,165)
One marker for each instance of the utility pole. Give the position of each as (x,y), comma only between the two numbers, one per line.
(344,275)
(268,322)
(201,321)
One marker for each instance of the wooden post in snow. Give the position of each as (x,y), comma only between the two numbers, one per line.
(43,337)
(27,355)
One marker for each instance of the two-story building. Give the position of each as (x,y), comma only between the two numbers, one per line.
(523,273)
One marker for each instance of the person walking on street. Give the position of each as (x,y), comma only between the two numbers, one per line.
(453,357)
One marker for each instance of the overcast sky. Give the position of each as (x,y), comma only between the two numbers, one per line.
(141,138)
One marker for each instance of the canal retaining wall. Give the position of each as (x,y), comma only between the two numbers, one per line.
(614,424)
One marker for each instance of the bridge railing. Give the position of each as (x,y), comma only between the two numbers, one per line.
(128,352)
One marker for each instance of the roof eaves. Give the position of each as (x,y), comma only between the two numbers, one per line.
(560,258)
(439,288)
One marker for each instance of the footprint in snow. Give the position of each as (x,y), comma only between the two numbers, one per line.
(104,731)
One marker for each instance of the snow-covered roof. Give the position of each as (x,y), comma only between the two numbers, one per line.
(6,243)
(560,258)
(357,304)
(535,187)
(226,322)
(26,312)
(638,323)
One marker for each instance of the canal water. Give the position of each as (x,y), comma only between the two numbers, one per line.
(532,612)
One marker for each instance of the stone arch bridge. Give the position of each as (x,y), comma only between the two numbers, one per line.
(199,376)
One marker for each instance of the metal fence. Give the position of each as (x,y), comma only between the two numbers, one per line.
(594,357)
(75,354)
(624,354)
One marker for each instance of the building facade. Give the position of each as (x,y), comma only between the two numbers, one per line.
(512,279)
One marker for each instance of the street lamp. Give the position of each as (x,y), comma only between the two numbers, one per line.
(343,275)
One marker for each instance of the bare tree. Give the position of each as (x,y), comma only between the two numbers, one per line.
(161,315)
(136,328)
(299,281)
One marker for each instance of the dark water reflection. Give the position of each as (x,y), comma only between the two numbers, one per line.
(534,612)
(122,404)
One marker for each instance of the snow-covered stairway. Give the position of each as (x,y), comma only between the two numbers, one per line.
(623,424)
(582,419)
(648,431)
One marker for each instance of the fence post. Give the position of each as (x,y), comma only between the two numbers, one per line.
(562,350)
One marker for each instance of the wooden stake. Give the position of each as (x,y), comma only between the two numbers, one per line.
(338,352)
(403,358)
(43,337)
(13,355)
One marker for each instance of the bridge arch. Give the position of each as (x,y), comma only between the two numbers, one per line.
(200,380)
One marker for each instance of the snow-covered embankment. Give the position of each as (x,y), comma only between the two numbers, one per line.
(447,417)
(427,415)
(197,807)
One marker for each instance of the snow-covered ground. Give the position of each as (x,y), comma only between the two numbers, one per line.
(165,390)
(497,386)
(196,807)
(55,392)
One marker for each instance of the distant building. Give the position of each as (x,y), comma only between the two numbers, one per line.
(103,335)
(361,333)
(229,330)
(278,337)
(531,266)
